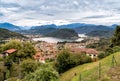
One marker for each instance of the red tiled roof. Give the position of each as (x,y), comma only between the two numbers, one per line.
(92,51)
(37,55)
(86,50)
(11,51)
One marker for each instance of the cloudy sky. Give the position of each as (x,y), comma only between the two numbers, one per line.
(38,12)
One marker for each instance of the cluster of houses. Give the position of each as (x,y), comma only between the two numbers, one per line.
(88,51)
(81,48)
(74,45)
(45,51)
(50,50)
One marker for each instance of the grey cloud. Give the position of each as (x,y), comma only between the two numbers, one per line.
(1,14)
(76,10)
(96,16)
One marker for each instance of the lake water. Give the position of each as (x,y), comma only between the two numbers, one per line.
(55,40)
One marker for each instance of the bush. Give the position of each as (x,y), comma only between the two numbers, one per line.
(14,70)
(43,73)
(24,50)
(62,61)
(116,48)
(105,78)
(101,55)
(1,72)
(28,66)
(13,79)
(67,60)
(108,52)
(84,58)
(1,59)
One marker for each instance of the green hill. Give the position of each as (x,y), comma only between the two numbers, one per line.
(101,33)
(90,71)
(64,34)
(4,34)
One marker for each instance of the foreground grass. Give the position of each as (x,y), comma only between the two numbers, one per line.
(90,71)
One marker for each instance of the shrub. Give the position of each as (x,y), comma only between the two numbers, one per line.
(28,66)
(13,79)
(67,60)
(105,78)
(62,61)
(101,55)
(116,48)
(43,73)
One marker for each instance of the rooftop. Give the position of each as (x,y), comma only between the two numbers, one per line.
(10,51)
(86,50)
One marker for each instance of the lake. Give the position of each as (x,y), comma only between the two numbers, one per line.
(55,40)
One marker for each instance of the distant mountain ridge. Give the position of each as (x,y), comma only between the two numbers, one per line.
(88,29)
(12,27)
(80,28)
(70,26)
(44,26)
(9,26)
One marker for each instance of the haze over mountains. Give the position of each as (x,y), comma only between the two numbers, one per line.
(9,26)
(80,28)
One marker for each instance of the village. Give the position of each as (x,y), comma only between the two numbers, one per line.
(47,50)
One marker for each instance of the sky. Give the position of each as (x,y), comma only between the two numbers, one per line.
(41,12)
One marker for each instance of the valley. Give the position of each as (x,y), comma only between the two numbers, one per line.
(50,41)
(59,40)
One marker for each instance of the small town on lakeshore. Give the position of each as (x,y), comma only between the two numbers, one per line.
(48,50)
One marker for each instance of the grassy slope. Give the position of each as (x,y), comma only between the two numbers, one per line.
(89,71)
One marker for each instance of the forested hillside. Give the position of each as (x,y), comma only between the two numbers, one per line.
(4,34)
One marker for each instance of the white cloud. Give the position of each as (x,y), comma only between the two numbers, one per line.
(38,12)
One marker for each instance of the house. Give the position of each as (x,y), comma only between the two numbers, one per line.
(39,58)
(88,51)
(47,50)
(9,51)
(74,45)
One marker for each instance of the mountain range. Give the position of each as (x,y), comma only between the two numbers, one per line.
(9,26)
(80,28)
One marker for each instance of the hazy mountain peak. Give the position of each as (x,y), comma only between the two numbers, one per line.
(9,26)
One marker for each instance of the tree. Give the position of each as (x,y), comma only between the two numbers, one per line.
(116,38)
(45,73)
(1,72)
(101,45)
(27,50)
(12,44)
(116,48)
(15,69)
(24,50)
(62,61)
(28,66)
(13,79)
(67,60)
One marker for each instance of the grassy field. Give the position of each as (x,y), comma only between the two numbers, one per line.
(90,71)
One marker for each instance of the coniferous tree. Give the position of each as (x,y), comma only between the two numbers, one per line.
(116,38)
